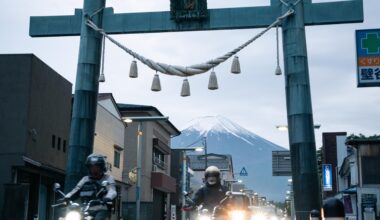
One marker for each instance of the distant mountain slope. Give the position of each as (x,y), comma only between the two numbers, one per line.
(247,149)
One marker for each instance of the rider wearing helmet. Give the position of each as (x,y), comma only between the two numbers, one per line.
(213,192)
(89,185)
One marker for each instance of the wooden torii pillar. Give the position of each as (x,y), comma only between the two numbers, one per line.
(298,99)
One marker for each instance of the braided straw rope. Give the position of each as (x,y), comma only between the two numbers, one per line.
(189,70)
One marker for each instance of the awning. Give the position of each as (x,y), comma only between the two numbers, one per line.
(163,182)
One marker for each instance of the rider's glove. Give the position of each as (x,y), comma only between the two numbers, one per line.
(107,200)
(64,199)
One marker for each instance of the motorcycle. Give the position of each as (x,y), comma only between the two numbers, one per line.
(233,207)
(76,211)
(202,213)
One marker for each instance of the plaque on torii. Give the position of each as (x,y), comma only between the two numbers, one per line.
(183,17)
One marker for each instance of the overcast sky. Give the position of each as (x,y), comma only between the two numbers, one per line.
(255,99)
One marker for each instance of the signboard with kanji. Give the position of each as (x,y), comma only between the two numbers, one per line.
(327,177)
(368,57)
(187,10)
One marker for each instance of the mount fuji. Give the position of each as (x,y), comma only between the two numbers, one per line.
(248,151)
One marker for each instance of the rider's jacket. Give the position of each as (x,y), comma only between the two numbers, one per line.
(88,187)
(210,195)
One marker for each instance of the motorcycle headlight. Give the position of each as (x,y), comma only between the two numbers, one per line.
(73,215)
(204,217)
(237,215)
(258,217)
(273,218)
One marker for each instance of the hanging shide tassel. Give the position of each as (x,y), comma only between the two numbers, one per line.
(102,78)
(213,81)
(156,85)
(185,88)
(278,68)
(235,68)
(133,70)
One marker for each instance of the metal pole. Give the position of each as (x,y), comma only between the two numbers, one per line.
(138,169)
(86,95)
(205,145)
(300,118)
(183,213)
(292,210)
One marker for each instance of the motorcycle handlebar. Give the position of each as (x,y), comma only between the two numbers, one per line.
(59,204)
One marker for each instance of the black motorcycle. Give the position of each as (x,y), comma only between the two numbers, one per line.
(81,211)
(202,213)
(233,207)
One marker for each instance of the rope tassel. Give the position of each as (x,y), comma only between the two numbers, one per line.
(213,81)
(278,68)
(156,85)
(235,68)
(133,70)
(102,78)
(185,88)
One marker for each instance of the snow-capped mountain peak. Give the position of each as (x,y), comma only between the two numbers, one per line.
(248,151)
(218,123)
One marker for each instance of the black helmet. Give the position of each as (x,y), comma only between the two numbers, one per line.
(212,171)
(96,160)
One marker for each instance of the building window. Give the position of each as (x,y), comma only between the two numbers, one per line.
(159,158)
(64,146)
(53,141)
(116,159)
(59,143)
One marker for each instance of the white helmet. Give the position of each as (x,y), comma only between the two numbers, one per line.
(212,171)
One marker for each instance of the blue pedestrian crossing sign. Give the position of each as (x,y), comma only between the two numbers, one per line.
(243,172)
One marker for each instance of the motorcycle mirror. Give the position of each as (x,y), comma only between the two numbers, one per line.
(204,211)
(56,187)
(105,183)
(185,193)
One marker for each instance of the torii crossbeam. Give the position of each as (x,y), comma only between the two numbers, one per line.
(299,109)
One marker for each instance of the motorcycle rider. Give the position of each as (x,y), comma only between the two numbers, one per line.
(211,193)
(89,185)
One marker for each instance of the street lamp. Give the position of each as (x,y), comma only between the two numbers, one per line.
(184,171)
(205,148)
(140,120)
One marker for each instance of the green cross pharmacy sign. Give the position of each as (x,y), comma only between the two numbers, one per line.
(368,57)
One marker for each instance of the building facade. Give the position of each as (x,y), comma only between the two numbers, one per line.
(110,141)
(332,143)
(360,179)
(35,117)
(156,182)
(34,130)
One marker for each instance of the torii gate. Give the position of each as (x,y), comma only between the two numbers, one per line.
(298,99)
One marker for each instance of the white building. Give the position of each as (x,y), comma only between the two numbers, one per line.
(109,141)
(359,179)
